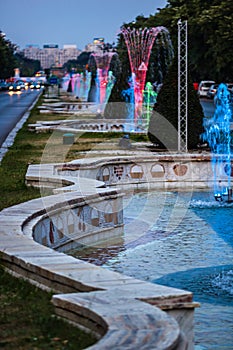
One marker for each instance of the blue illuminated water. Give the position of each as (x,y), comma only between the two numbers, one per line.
(183,240)
(128,95)
(218,136)
(188,245)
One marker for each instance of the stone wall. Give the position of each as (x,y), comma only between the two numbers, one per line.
(123,312)
(81,222)
(149,172)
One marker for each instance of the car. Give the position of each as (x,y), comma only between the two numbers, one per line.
(17,86)
(35,85)
(27,83)
(41,82)
(212,91)
(3,86)
(204,86)
(21,83)
(229,85)
(230,89)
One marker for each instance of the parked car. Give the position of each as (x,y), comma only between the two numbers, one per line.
(230,89)
(212,91)
(204,86)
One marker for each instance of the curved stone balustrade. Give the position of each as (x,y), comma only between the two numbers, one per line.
(124,312)
(70,125)
(128,326)
(160,171)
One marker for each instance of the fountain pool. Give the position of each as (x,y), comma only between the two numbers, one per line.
(183,240)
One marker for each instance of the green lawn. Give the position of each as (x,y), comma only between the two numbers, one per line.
(27,318)
(28,322)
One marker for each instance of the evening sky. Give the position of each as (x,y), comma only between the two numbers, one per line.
(69,21)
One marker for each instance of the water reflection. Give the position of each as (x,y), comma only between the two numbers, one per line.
(183,240)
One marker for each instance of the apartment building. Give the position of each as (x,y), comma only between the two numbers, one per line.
(51,54)
(95,46)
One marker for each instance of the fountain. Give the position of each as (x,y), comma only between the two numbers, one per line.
(173,239)
(86,85)
(176,238)
(218,135)
(79,84)
(82,85)
(110,83)
(139,43)
(65,82)
(128,95)
(104,78)
(149,98)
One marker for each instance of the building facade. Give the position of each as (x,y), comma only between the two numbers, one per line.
(95,46)
(51,54)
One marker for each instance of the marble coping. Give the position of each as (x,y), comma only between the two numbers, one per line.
(123,312)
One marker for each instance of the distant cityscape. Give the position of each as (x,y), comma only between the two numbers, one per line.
(51,55)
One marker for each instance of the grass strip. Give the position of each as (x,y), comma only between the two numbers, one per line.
(28,322)
(27,319)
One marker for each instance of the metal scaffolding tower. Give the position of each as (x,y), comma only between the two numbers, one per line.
(182,86)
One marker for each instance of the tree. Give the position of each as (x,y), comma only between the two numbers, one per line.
(82,60)
(163,124)
(7,58)
(70,65)
(116,106)
(210,38)
(217,22)
(27,66)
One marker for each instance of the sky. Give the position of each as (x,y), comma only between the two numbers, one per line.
(69,21)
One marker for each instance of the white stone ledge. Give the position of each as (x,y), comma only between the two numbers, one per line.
(122,310)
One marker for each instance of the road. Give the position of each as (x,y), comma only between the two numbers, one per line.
(12,107)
